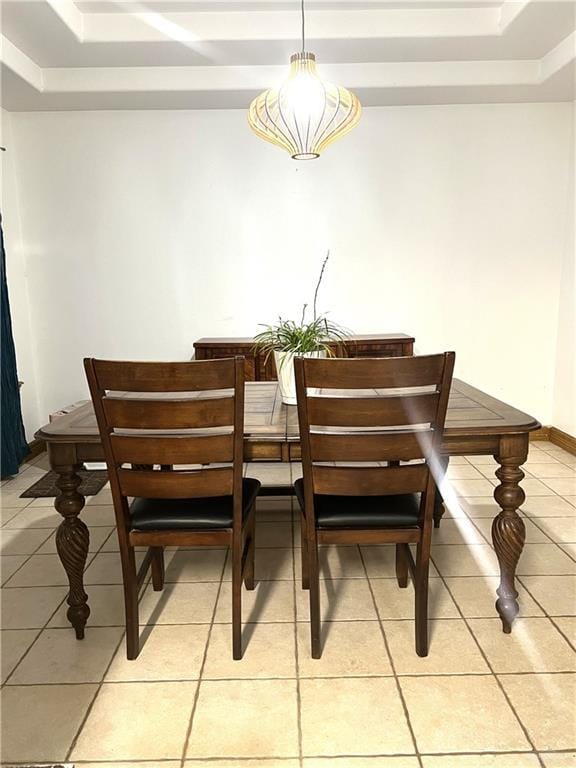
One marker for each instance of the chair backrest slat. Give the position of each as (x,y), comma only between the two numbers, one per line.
(354,411)
(369,481)
(175,485)
(373,411)
(177,449)
(164,377)
(396,446)
(154,416)
(168,414)
(375,373)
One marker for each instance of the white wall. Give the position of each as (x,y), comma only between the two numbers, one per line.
(564,413)
(147,230)
(16,271)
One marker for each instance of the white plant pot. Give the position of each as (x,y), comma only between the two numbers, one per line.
(285,371)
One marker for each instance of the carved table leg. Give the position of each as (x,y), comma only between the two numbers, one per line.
(72,540)
(508,530)
(438,501)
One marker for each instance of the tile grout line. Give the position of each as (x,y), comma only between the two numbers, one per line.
(285,678)
(287,621)
(203,664)
(100,550)
(89,558)
(296,625)
(548,616)
(49,619)
(519,577)
(41,630)
(45,627)
(392,666)
(31,554)
(490,667)
(93,700)
(16,511)
(270,581)
(533,521)
(53,533)
(101,683)
(555,456)
(293,513)
(570,642)
(296,652)
(545,483)
(216,760)
(558,544)
(523,516)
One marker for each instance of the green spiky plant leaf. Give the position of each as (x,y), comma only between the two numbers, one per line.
(301,338)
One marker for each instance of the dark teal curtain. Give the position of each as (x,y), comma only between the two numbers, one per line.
(13,443)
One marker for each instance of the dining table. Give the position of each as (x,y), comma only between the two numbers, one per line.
(476,424)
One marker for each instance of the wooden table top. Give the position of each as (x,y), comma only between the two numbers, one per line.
(471,413)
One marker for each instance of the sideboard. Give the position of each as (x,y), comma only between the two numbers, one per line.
(257,368)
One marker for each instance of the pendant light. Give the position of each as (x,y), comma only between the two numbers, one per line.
(304,114)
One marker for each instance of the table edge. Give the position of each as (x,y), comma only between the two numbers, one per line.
(525,424)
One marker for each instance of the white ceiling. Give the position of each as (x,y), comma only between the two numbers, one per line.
(144,54)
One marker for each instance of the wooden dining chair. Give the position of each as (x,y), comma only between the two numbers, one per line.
(173,440)
(359,419)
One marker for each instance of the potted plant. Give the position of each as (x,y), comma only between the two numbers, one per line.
(287,339)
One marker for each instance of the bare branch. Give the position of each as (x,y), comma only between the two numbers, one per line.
(319,281)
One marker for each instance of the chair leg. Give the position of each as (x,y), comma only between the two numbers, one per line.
(438,500)
(157,568)
(249,568)
(304,554)
(421,613)
(131,603)
(314,587)
(401,565)
(236,600)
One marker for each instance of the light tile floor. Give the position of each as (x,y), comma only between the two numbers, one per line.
(481,699)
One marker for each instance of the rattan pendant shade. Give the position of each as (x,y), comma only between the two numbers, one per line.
(305,114)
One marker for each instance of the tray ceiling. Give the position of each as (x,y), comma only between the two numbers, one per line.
(123,54)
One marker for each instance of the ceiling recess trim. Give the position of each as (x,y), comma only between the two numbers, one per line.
(218,40)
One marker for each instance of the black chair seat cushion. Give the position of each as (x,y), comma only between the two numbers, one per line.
(190,514)
(363,511)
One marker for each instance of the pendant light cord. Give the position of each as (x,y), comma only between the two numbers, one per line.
(302,12)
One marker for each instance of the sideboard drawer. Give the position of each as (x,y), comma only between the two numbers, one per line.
(218,352)
(257,368)
(374,350)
